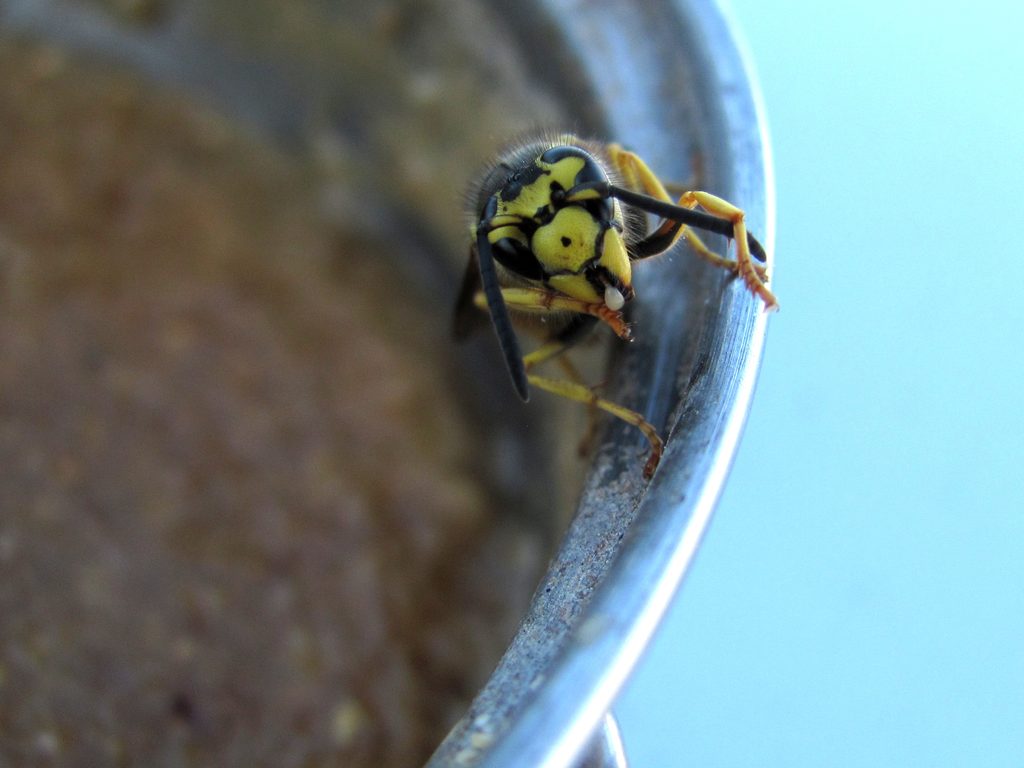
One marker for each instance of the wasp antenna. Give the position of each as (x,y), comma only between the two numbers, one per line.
(756,249)
(499,314)
(691,218)
(588,190)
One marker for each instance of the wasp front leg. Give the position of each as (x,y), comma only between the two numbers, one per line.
(638,176)
(752,274)
(541,300)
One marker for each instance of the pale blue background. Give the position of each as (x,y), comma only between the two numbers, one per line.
(859,600)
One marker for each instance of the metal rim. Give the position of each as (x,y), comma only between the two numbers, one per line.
(629,547)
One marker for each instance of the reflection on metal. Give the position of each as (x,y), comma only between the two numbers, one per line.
(606,749)
(674,87)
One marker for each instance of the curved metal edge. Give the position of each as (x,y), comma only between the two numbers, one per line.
(606,748)
(572,691)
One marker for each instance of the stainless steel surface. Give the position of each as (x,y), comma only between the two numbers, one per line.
(606,749)
(674,84)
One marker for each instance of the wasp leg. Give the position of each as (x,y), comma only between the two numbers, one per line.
(639,176)
(582,394)
(540,300)
(548,351)
(636,173)
(554,349)
(568,336)
(586,444)
(676,190)
(744,264)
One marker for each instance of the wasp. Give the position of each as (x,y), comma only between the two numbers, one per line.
(556,224)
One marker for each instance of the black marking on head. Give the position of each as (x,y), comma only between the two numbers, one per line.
(523,177)
(589,173)
(516,256)
(566,241)
(557,194)
(562,151)
(602,210)
(598,277)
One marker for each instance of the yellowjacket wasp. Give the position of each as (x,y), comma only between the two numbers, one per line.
(557,223)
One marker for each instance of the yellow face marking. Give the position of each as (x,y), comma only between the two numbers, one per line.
(576,286)
(567,243)
(513,232)
(565,170)
(538,193)
(614,257)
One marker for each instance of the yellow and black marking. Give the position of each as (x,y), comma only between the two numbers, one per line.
(557,224)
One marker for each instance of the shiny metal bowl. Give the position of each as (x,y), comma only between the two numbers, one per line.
(406,123)
(674,86)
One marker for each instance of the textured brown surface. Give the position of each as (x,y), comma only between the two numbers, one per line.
(239,519)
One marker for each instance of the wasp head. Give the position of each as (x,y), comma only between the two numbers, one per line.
(553,222)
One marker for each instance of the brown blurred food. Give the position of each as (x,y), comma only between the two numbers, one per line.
(240,522)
